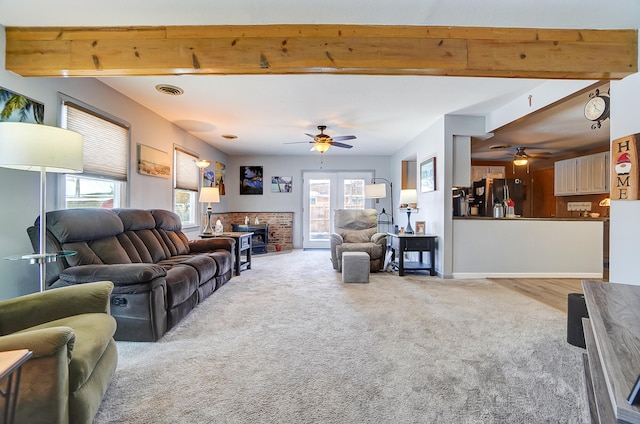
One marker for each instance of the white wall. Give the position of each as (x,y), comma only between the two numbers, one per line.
(429,143)
(19,189)
(293,166)
(625,214)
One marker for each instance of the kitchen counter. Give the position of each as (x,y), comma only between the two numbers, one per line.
(486,247)
(490,218)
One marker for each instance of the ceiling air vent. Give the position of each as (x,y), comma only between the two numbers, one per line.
(171,90)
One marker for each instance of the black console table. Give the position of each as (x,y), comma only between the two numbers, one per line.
(401,243)
(260,238)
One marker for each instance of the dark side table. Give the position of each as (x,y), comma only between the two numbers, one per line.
(243,247)
(421,243)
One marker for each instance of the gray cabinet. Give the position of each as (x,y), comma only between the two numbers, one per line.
(612,361)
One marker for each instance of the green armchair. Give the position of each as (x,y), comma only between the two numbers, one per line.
(70,332)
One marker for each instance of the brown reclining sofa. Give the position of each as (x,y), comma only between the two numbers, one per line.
(159,275)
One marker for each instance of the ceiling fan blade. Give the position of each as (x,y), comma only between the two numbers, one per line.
(346,146)
(298,142)
(310,135)
(343,137)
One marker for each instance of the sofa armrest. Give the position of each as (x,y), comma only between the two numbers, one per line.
(336,239)
(119,274)
(379,238)
(212,244)
(42,342)
(38,308)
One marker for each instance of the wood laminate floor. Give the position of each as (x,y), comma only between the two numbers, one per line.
(550,291)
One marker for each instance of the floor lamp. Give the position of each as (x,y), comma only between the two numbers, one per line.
(379,191)
(40,148)
(209,195)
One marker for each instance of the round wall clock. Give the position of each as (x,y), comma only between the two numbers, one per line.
(597,108)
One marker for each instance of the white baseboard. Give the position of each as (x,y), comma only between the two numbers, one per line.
(471,275)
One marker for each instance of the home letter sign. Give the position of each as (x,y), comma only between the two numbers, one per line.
(624,168)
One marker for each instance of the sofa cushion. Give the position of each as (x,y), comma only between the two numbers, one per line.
(93,333)
(357,236)
(82,224)
(375,251)
(182,282)
(205,265)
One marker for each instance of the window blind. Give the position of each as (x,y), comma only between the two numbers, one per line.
(106,143)
(187,173)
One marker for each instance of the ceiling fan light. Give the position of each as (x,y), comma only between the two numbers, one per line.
(321,147)
(520,161)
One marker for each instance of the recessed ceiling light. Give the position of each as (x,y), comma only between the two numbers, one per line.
(499,146)
(171,90)
(229,136)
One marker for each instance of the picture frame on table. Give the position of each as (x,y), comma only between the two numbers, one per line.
(428,175)
(420,227)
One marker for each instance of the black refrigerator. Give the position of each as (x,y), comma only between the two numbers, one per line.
(485,193)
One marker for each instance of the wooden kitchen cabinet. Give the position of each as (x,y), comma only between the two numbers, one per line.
(480,172)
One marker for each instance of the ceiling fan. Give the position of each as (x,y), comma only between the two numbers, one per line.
(522,156)
(321,142)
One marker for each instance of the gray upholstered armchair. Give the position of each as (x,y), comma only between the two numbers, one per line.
(355,230)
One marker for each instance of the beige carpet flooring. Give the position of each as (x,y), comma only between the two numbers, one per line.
(288,342)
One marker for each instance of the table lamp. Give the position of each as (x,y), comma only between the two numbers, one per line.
(408,202)
(209,195)
(42,148)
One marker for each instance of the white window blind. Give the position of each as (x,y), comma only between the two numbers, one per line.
(106,143)
(187,173)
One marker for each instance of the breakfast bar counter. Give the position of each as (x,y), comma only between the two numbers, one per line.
(527,247)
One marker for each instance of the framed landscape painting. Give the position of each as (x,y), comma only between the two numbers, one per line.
(153,162)
(281,184)
(428,175)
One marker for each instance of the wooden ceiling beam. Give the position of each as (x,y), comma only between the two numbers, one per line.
(327,49)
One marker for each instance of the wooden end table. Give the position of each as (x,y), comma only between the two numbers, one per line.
(243,247)
(10,369)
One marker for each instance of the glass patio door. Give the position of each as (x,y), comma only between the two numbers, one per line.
(323,193)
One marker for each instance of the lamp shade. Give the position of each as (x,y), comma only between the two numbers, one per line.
(321,147)
(408,198)
(375,191)
(202,163)
(209,195)
(35,147)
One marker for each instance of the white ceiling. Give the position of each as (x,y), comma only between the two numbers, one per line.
(383,112)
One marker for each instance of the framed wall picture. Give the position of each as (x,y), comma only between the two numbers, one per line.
(420,227)
(281,184)
(251,180)
(428,175)
(153,162)
(219,177)
(15,107)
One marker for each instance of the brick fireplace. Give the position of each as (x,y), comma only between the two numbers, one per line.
(280,226)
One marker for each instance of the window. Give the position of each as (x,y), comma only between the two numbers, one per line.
(102,183)
(186,176)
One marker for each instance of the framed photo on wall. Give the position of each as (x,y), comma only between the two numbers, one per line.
(420,227)
(251,180)
(18,108)
(428,175)
(153,162)
(281,184)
